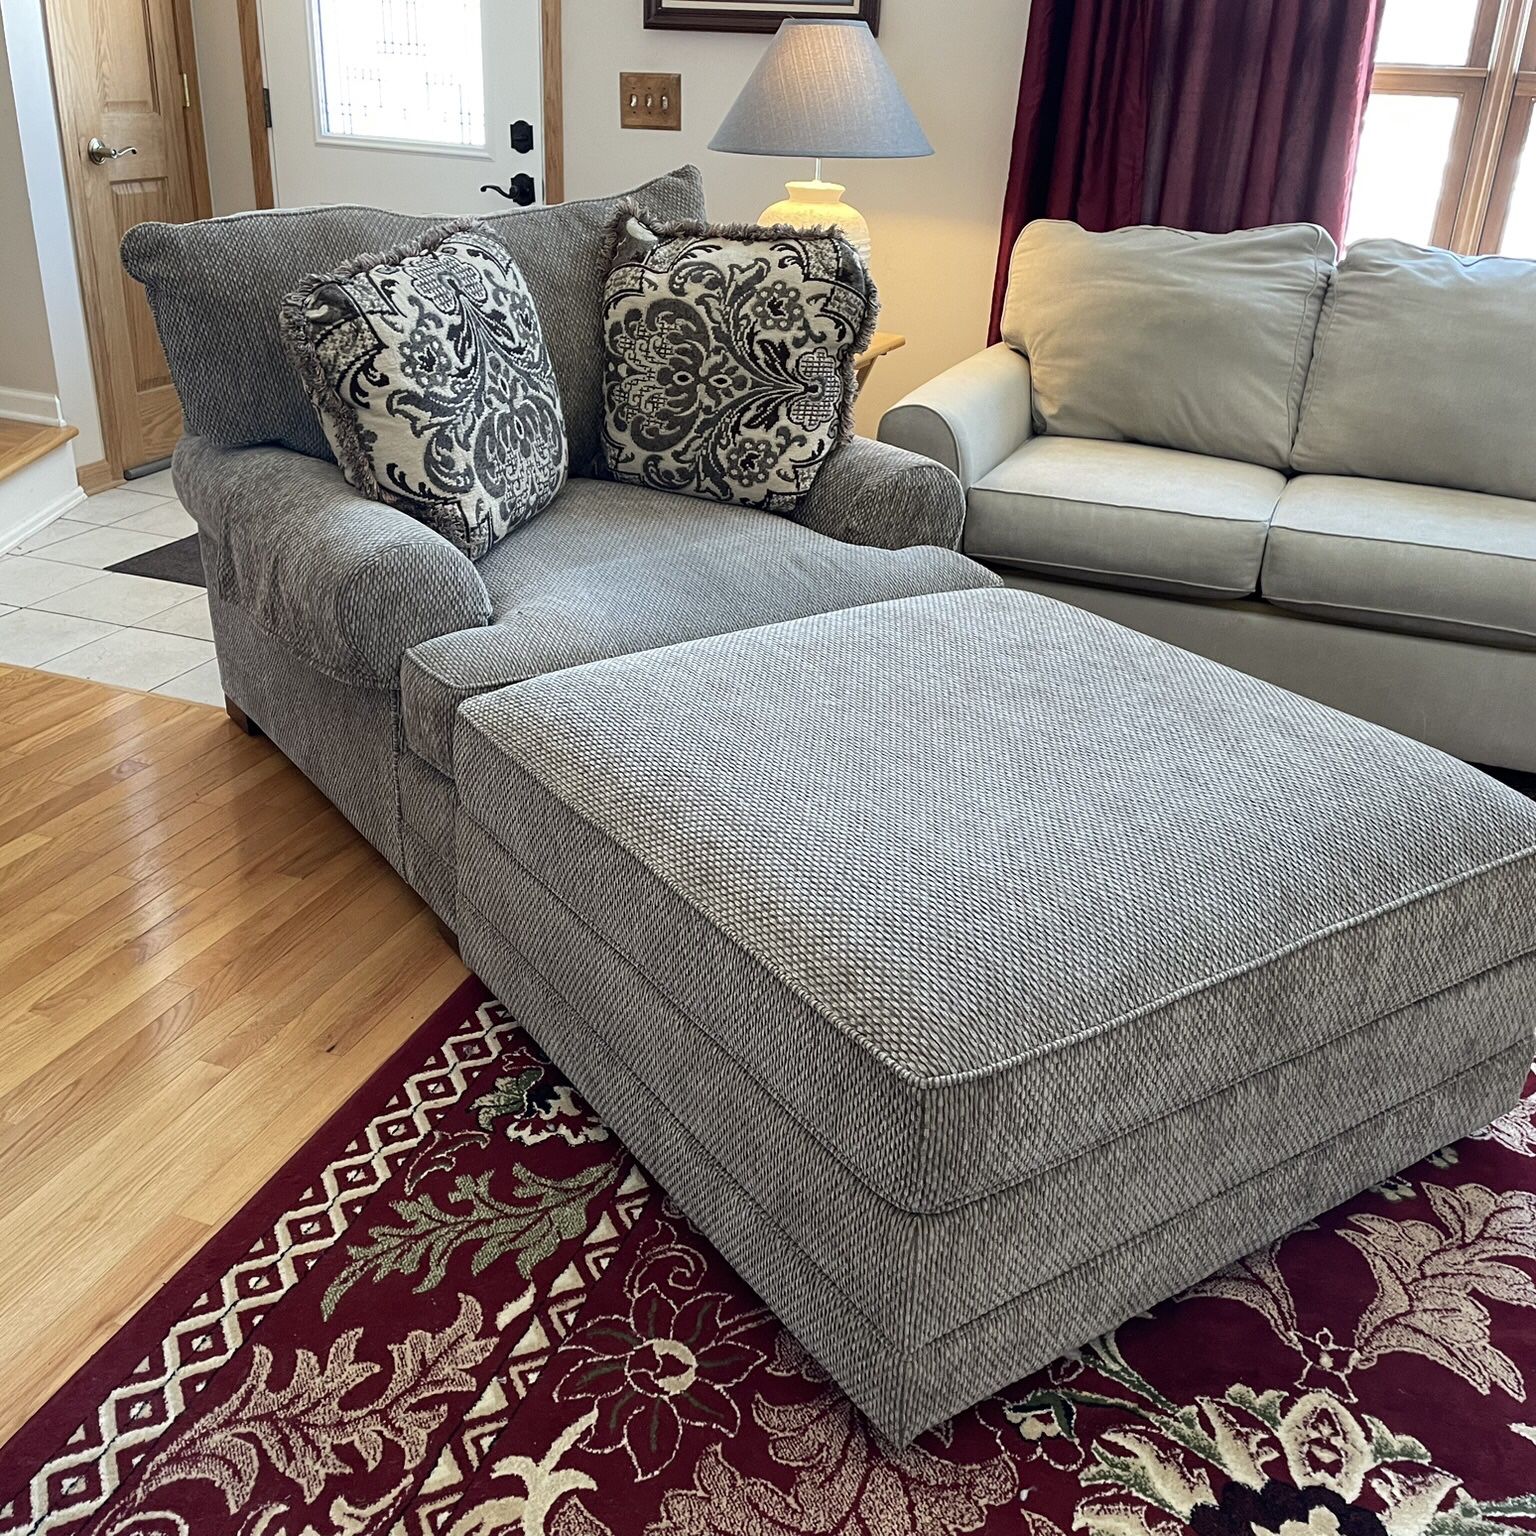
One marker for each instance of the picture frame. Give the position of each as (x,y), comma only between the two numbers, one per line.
(754,15)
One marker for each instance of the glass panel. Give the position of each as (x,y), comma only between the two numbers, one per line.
(1404,146)
(1519,237)
(401,69)
(1427,32)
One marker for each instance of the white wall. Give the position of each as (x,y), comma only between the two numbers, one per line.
(21,22)
(26,357)
(934,221)
(216,30)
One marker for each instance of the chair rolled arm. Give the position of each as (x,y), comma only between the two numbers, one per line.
(348,583)
(969,418)
(875,494)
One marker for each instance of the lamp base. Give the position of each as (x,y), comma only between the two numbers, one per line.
(820,203)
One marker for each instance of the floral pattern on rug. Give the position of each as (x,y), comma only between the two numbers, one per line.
(506,1329)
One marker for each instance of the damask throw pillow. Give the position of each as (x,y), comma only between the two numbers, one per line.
(730,357)
(428,370)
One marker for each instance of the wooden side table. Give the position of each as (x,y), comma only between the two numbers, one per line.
(879,344)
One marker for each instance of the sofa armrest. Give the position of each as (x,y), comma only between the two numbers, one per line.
(871,493)
(969,418)
(348,583)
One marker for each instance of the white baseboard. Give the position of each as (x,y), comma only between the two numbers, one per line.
(30,405)
(37,494)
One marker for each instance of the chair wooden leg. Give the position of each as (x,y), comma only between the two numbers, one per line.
(240,717)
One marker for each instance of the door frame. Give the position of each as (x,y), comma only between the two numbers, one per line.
(115,404)
(551,69)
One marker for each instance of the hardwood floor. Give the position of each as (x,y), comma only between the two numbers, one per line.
(199,960)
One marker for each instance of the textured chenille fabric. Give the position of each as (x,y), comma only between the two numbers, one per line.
(348,583)
(1033,1229)
(973,857)
(342,734)
(872,493)
(729,357)
(905,1390)
(428,370)
(215,287)
(611,569)
(428,806)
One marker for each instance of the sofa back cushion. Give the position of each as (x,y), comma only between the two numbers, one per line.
(1160,336)
(1425,371)
(216,287)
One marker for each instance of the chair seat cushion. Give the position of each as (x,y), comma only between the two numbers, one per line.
(1457,564)
(1125,515)
(609,569)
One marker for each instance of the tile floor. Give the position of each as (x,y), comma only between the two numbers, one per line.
(63,611)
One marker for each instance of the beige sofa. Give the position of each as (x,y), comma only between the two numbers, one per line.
(1320,472)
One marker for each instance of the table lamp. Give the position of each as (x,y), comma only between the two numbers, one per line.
(823,90)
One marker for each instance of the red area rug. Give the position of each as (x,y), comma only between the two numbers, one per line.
(462,1309)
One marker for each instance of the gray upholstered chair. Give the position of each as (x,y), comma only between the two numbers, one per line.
(350,633)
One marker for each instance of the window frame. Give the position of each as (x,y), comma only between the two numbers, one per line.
(1496,90)
(325,136)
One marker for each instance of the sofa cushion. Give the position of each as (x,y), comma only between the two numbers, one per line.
(1125,515)
(612,569)
(1408,557)
(1161,336)
(215,287)
(729,358)
(1424,371)
(428,370)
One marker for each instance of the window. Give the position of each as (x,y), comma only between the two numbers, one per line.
(407,71)
(1442,152)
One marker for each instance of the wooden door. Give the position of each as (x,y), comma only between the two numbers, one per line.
(125,76)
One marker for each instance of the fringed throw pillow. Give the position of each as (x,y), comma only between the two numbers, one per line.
(730,357)
(429,372)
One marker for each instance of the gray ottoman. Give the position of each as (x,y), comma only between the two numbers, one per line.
(977,973)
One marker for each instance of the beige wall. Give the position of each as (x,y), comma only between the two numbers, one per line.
(221,78)
(934,221)
(26,349)
(30,84)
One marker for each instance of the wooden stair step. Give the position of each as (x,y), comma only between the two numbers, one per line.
(24,442)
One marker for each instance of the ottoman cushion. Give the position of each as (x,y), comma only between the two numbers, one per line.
(973,936)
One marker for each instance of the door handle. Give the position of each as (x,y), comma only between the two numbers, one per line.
(519,190)
(99,153)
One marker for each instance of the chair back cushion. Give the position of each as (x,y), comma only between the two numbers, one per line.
(428,370)
(1425,371)
(1160,336)
(216,286)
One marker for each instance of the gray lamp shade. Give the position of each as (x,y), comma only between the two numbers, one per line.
(823,89)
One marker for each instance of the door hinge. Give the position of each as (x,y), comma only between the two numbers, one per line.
(266,105)
(186,91)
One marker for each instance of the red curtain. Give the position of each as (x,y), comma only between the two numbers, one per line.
(1201,114)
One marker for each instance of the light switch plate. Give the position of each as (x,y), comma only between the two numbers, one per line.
(650,100)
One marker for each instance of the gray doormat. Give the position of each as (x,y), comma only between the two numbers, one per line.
(181,561)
